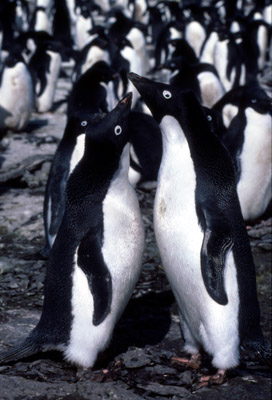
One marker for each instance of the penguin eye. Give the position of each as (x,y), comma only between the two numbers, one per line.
(83,123)
(253,101)
(209,118)
(166,94)
(117,130)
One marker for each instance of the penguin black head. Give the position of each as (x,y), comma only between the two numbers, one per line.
(112,129)
(161,98)
(101,71)
(78,123)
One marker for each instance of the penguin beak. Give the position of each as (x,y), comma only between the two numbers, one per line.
(127,99)
(138,81)
(143,85)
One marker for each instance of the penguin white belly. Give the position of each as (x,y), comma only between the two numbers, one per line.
(45,101)
(16,96)
(42,22)
(254,186)
(211,88)
(122,252)
(179,237)
(137,38)
(94,55)
(220,63)
(195,35)
(207,54)
(82,28)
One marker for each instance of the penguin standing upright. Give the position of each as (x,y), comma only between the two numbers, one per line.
(16,93)
(201,234)
(45,65)
(247,115)
(96,257)
(88,93)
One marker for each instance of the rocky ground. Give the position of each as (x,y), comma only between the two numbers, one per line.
(138,363)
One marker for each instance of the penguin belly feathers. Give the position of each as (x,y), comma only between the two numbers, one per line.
(96,257)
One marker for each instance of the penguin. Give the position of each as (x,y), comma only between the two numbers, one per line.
(195,29)
(97,255)
(247,116)
(229,61)
(88,93)
(133,31)
(22,16)
(202,78)
(69,152)
(201,234)
(83,24)
(45,66)
(125,59)
(96,50)
(16,93)
(41,20)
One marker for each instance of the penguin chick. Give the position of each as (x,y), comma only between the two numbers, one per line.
(96,257)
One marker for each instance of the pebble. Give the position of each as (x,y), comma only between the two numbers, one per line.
(136,358)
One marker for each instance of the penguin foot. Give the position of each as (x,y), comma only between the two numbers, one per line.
(217,379)
(193,362)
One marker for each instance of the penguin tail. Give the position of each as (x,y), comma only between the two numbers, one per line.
(26,349)
(263,353)
(261,349)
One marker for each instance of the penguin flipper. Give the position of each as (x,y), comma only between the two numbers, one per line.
(217,242)
(90,260)
(23,350)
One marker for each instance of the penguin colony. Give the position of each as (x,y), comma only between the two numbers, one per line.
(199,128)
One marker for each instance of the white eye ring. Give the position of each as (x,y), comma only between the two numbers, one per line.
(209,118)
(83,123)
(117,130)
(166,94)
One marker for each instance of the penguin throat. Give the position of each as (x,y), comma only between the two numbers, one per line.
(172,131)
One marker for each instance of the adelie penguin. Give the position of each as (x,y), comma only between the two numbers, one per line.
(96,257)
(201,234)
(45,65)
(247,115)
(16,93)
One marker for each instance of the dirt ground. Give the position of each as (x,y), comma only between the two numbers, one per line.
(137,365)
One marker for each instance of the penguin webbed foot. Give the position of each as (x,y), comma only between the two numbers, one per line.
(194,361)
(208,380)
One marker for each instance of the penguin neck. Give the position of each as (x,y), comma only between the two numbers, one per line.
(100,156)
(121,174)
(176,153)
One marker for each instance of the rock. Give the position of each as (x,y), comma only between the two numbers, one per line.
(136,358)
(265,246)
(258,233)
(165,390)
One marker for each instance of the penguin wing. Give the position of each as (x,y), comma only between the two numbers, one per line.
(216,243)
(90,260)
